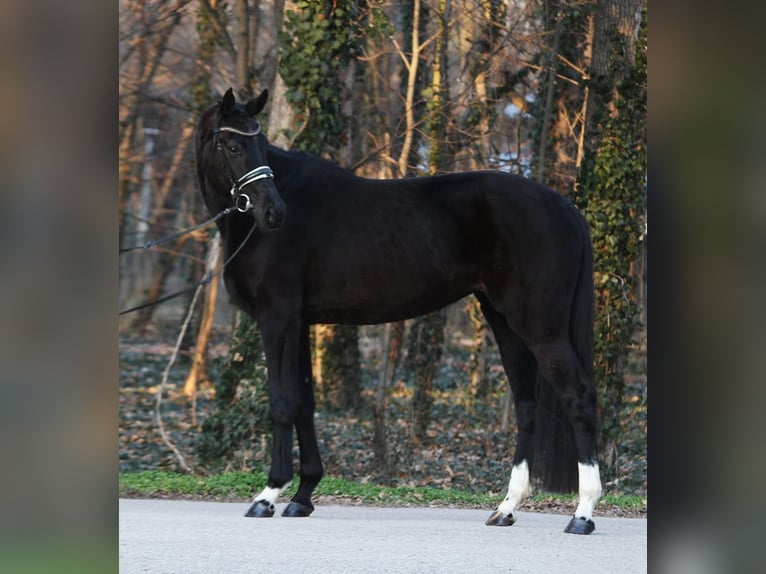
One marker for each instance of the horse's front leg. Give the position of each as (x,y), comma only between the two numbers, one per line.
(281,342)
(311,463)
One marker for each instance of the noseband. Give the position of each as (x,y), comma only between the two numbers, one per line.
(241,200)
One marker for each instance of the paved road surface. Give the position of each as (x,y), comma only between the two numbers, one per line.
(186,537)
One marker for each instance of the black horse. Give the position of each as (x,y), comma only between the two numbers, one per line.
(322,245)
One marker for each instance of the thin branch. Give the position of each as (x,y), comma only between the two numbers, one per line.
(178,156)
(417,49)
(399,51)
(376,153)
(220,29)
(558,76)
(297,134)
(199,367)
(576,68)
(412,72)
(548,106)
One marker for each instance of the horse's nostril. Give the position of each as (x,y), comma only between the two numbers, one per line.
(271,215)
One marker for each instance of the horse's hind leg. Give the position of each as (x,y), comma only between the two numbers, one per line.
(311,470)
(560,367)
(520,368)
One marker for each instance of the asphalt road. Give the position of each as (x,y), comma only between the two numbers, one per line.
(186,537)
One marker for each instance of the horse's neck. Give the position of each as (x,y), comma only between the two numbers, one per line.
(293,167)
(280,161)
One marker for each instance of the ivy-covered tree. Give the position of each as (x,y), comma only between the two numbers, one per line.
(424,354)
(427,333)
(610,192)
(589,141)
(339,377)
(231,436)
(241,420)
(319,39)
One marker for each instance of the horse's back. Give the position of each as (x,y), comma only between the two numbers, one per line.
(379,250)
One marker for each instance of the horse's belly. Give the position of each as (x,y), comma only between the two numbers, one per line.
(381,298)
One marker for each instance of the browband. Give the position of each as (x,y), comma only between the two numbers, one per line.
(239,132)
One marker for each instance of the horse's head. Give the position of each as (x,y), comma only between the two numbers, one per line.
(231,159)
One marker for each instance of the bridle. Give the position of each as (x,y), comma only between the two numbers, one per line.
(242,204)
(241,200)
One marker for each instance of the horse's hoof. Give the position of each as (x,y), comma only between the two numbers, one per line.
(298,509)
(499,519)
(261,509)
(580,526)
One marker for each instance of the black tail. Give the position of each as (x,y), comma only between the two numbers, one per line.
(555,450)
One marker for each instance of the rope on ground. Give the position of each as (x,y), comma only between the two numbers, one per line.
(160,425)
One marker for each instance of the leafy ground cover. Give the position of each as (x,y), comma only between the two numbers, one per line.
(464,459)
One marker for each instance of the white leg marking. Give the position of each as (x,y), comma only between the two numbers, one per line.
(270,495)
(590,490)
(518,488)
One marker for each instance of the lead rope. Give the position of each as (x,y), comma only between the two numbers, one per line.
(150,244)
(203,281)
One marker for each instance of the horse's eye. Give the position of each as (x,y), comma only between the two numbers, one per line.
(234,149)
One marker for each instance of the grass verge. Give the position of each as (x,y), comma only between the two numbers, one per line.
(241,486)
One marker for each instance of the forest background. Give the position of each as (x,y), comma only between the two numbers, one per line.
(552,90)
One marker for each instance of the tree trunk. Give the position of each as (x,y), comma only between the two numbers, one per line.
(379,404)
(411,65)
(340,367)
(550,88)
(480,157)
(131,104)
(438,108)
(391,352)
(167,258)
(427,336)
(241,420)
(281,113)
(479,386)
(560,114)
(613,56)
(610,192)
(425,351)
(507,417)
(243,50)
(198,371)
(584,113)
(152,47)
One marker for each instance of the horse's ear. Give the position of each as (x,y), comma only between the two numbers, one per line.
(254,107)
(227,104)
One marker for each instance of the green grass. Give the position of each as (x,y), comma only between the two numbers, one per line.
(243,485)
(163,483)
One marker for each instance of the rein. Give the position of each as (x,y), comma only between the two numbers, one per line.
(150,244)
(204,281)
(242,204)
